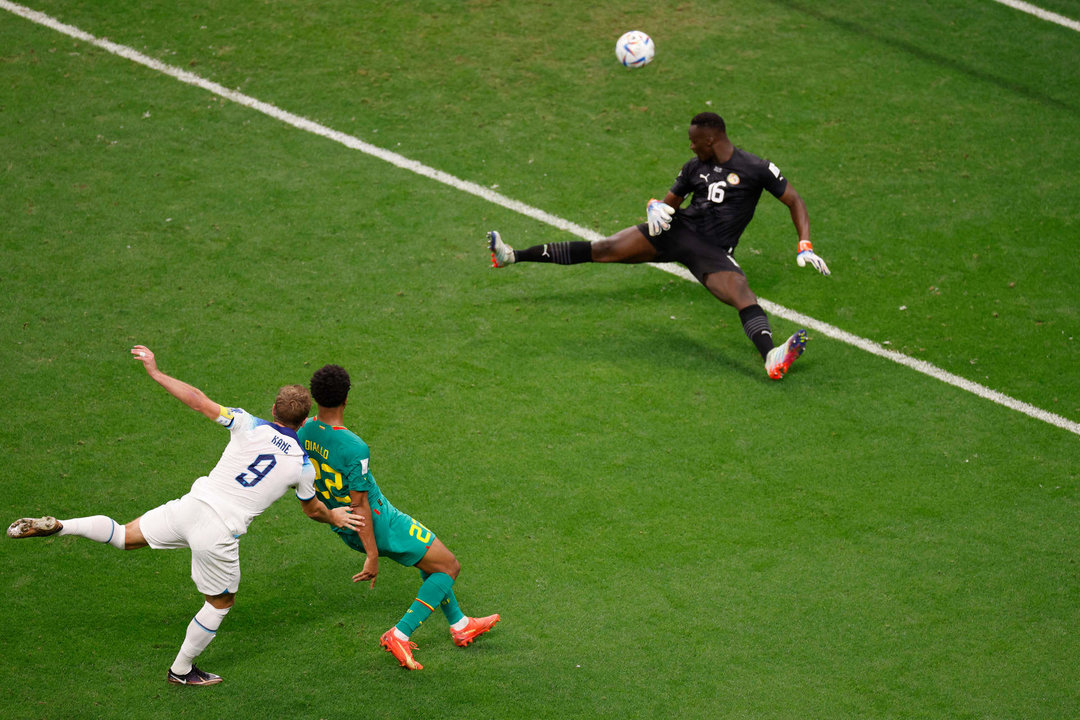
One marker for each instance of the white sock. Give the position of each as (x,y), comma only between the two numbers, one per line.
(400,635)
(200,631)
(460,624)
(96,527)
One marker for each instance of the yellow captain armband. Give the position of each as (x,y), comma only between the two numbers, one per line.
(225,416)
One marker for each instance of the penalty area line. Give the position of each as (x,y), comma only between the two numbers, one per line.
(835,333)
(400,161)
(298,122)
(1038,12)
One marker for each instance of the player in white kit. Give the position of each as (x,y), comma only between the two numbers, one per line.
(261,462)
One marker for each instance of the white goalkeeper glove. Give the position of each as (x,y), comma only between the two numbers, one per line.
(806,255)
(659,214)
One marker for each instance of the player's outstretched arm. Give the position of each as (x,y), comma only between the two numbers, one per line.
(338,517)
(801,218)
(190,395)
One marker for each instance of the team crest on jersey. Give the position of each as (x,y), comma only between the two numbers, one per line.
(732,179)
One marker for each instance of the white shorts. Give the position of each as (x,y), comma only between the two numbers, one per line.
(191,523)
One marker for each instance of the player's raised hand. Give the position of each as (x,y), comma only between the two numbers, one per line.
(145,356)
(659,215)
(807,255)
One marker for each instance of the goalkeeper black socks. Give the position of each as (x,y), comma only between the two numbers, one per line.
(560,253)
(756,325)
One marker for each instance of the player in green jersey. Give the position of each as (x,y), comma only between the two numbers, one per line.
(344,478)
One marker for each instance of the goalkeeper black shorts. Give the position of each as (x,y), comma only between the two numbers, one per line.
(682,245)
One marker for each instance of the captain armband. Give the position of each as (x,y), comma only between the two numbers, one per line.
(225,416)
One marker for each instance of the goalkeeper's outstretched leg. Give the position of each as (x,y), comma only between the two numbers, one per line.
(628,246)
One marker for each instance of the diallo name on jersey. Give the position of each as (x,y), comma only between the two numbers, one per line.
(316,448)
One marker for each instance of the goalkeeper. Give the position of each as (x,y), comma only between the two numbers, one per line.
(726,183)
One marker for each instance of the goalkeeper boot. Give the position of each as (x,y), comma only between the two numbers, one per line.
(501,253)
(475,628)
(34,527)
(779,359)
(400,649)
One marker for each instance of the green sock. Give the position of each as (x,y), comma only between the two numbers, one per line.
(450,608)
(449,604)
(433,591)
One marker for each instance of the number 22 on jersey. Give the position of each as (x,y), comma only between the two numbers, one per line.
(332,480)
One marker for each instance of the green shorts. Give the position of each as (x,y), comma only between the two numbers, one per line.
(397,535)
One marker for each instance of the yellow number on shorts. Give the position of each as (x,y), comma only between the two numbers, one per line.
(420,532)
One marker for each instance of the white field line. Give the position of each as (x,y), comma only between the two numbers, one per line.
(922,366)
(405,163)
(1042,14)
(296,121)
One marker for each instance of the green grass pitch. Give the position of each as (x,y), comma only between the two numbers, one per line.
(665,532)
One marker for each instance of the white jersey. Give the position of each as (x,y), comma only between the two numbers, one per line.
(261,462)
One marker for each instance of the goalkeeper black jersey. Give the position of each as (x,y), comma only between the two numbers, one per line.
(725,195)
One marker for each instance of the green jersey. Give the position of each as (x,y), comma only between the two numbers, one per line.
(342,464)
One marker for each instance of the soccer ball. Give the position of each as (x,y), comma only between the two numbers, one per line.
(635,49)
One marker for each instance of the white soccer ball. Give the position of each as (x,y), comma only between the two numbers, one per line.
(635,49)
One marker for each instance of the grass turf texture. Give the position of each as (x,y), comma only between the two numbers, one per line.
(664,531)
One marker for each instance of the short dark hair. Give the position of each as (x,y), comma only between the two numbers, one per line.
(709,120)
(330,386)
(292,405)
